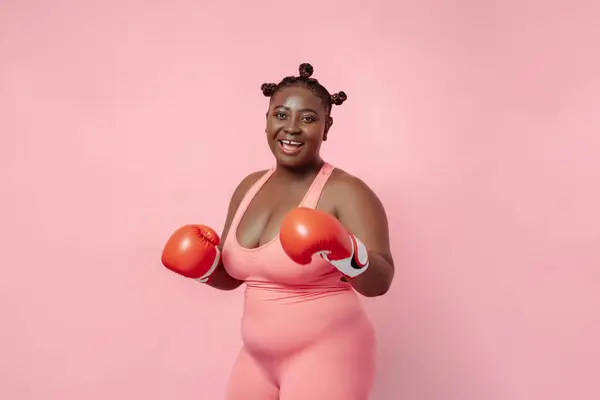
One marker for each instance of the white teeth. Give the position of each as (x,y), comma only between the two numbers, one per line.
(291,142)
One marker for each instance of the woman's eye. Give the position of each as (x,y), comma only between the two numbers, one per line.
(279,115)
(308,120)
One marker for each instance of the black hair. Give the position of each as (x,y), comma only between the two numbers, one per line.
(306,71)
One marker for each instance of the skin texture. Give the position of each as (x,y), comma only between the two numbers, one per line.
(295,113)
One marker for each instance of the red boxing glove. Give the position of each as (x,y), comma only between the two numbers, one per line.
(192,252)
(306,232)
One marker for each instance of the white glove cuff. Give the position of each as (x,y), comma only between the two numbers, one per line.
(357,263)
(204,278)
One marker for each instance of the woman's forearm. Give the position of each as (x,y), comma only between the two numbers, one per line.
(221,280)
(377,279)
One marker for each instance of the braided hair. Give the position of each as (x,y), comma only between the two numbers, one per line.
(306,71)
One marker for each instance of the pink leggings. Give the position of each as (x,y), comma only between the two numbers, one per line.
(338,368)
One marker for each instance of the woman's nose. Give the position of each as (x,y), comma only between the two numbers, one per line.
(292,126)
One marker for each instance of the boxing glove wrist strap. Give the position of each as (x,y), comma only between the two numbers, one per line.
(356,264)
(204,278)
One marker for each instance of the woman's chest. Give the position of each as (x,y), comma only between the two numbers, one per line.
(261,222)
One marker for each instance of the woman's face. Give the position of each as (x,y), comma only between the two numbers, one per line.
(297,124)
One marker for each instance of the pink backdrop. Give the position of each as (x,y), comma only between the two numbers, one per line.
(476,122)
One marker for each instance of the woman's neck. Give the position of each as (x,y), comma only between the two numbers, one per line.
(300,172)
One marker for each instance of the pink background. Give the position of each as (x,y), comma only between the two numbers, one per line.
(121,121)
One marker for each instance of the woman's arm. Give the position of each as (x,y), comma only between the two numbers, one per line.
(220,279)
(361,212)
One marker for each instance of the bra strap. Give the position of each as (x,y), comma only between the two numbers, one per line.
(314,193)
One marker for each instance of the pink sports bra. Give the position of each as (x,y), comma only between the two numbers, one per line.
(267,265)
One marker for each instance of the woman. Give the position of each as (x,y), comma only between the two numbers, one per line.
(294,242)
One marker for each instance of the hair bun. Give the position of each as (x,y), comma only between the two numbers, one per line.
(268,89)
(306,70)
(338,98)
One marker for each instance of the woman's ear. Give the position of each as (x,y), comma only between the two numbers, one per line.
(327,127)
(267,119)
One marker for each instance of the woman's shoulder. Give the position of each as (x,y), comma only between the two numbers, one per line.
(346,188)
(247,182)
(253,177)
(346,182)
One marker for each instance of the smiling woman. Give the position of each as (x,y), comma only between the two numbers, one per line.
(299,115)
(292,236)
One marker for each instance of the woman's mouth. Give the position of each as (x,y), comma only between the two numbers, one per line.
(290,147)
